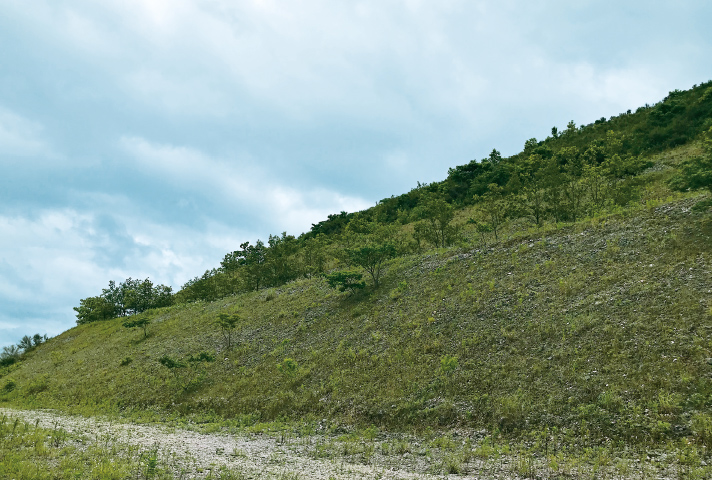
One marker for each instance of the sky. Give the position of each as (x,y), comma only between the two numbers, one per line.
(148,138)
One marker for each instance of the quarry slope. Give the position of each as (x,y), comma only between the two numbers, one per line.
(600,330)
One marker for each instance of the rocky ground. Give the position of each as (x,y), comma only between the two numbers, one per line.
(190,454)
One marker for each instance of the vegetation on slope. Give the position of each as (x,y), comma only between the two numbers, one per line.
(601,328)
(592,321)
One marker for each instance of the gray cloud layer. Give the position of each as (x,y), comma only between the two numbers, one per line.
(149,137)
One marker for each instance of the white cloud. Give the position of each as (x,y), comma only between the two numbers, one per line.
(43,250)
(20,136)
(177,95)
(239,183)
(52,260)
(607,89)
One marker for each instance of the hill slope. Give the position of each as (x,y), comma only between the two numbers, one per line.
(601,328)
(593,320)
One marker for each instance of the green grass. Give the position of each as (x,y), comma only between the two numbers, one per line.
(32,453)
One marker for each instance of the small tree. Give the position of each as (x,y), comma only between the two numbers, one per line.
(251,260)
(25,343)
(372,259)
(9,355)
(183,375)
(696,172)
(493,207)
(227,324)
(551,180)
(139,323)
(482,228)
(595,182)
(345,280)
(420,230)
(314,255)
(436,226)
(570,128)
(534,199)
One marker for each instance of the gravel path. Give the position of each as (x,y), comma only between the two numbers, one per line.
(255,456)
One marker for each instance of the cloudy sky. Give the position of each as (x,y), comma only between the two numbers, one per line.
(147,138)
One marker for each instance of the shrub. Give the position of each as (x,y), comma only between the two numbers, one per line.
(288,367)
(37,386)
(448,364)
(183,375)
(345,280)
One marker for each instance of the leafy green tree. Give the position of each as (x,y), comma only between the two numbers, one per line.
(11,350)
(530,144)
(483,228)
(696,173)
(127,298)
(314,255)
(227,324)
(594,180)
(137,296)
(345,280)
(334,224)
(362,225)
(420,234)
(493,206)
(280,259)
(372,258)
(250,261)
(253,258)
(529,166)
(10,354)
(615,143)
(575,193)
(570,128)
(495,156)
(534,202)
(25,343)
(94,309)
(161,296)
(437,216)
(552,180)
(514,185)
(574,190)
(114,295)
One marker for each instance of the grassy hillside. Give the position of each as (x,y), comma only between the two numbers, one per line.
(569,305)
(599,329)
